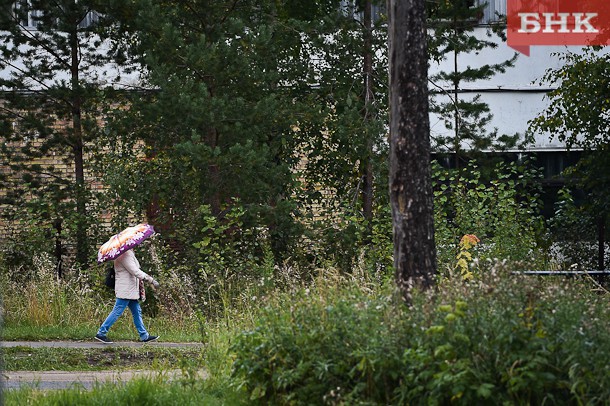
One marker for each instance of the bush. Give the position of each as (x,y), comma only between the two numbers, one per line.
(498,339)
(503,213)
(317,348)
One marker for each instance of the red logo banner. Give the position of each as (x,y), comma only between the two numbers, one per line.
(557,22)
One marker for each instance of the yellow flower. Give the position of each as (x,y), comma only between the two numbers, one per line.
(469,240)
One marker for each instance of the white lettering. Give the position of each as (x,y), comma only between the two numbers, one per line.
(584,22)
(562,22)
(529,23)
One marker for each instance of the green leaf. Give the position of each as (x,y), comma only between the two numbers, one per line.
(485,390)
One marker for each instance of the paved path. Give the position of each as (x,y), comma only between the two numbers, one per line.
(45,380)
(93,344)
(86,379)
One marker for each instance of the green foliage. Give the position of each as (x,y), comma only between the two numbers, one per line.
(232,257)
(502,212)
(151,391)
(20,250)
(237,101)
(344,135)
(216,120)
(503,340)
(581,122)
(349,240)
(52,68)
(322,345)
(571,230)
(499,205)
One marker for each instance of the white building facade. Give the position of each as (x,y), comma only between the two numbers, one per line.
(514,97)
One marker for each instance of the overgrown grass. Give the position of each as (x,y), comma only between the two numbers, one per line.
(97,359)
(43,307)
(498,339)
(155,391)
(349,339)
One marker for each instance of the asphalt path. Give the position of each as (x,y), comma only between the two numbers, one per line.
(46,380)
(94,344)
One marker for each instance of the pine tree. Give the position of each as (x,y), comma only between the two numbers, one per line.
(453,35)
(52,62)
(227,85)
(348,156)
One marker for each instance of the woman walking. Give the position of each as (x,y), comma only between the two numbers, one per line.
(128,279)
(127,290)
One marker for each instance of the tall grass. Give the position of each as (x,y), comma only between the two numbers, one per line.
(43,306)
(497,339)
(343,339)
(41,299)
(147,391)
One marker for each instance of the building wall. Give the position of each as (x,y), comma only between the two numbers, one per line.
(516,96)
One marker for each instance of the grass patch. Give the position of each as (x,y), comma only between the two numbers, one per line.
(123,329)
(148,391)
(97,359)
(42,307)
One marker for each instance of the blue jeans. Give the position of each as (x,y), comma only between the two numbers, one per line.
(119,308)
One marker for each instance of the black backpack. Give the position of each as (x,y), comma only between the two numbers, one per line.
(109,281)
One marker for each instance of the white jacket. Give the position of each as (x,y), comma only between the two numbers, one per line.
(127,273)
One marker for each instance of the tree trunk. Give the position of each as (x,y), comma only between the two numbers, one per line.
(410,174)
(457,142)
(367,187)
(601,241)
(82,246)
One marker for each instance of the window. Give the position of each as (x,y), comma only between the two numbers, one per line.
(350,8)
(29,18)
(90,19)
(25,16)
(494,10)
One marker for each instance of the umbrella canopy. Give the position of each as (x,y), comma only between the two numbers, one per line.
(123,241)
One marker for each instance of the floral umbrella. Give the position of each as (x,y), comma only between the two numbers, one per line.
(123,241)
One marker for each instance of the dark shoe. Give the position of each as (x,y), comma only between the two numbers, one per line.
(150,338)
(103,339)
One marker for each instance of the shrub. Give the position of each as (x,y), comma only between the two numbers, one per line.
(233,258)
(500,338)
(502,212)
(319,345)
